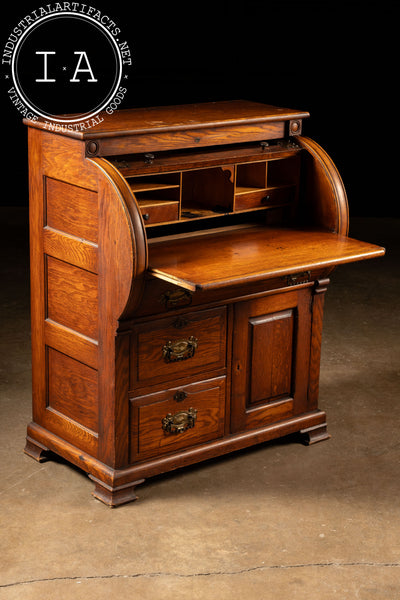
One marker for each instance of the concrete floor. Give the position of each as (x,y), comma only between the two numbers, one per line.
(280,521)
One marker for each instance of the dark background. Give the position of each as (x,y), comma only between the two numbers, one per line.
(337,60)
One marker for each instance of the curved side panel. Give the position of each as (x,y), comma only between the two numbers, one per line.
(122,243)
(324,195)
(122,263)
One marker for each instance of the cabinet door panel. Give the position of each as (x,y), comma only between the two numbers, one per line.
(271,352)
(271,343)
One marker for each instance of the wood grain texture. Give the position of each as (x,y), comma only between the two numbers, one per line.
(271,356)
(316,341)
(175,139)
(135,164)
(157,211)
(71,343)
(73,389)
(148,437)
(64,159)
(246,256)
(70,250)
(180,118)
(324,195)
(270,359)
(71,209)
(72,297)
(122,263)
(116,478)
(102,378)
(124,255)
(37,270)
(148,365)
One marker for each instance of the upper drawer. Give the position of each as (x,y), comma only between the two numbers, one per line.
(178,346)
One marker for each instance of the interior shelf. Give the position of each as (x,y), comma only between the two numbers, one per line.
(213,191)
(149,186)
(245,190)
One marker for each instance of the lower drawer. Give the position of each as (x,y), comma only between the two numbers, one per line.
(174,419)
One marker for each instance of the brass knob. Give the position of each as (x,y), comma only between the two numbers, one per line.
(148,158)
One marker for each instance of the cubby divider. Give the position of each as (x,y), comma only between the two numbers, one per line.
(198,193)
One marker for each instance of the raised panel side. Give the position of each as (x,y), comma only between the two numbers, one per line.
(72,297)
(64,289)
(64,159)
(72,390)
(71,209)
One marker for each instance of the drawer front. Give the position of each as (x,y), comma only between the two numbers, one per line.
(177,418)
(265,198)
(161,212)
(178,346)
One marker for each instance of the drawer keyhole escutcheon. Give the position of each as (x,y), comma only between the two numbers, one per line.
(180,323)
(180,395)
(180,421)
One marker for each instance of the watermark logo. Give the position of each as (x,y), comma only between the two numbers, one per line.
(66,62)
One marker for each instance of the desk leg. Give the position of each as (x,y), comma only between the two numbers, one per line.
(315,434)
(36,450)
(114,496)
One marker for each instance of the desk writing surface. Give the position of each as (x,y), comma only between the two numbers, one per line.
(248,255)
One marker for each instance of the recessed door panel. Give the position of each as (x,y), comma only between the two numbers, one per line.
(271,351)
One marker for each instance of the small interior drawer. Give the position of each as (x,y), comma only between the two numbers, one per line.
(264,198)
(158,211)
(178,346)
(177,418)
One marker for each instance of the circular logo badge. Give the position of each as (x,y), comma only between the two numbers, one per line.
(66,66)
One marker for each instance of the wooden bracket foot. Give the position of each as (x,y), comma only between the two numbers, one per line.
(315,434)
(114,496)
(36,450)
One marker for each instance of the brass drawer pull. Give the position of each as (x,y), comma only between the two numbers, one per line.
(176,298)
(180,421)
(180,349)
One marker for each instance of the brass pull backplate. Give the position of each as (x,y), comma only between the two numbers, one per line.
(179,349)
(176,298)
(180,421)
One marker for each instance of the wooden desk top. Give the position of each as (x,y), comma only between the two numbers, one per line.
(248,255)
(161,119)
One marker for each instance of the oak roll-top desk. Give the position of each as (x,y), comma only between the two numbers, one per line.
(179,260)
